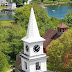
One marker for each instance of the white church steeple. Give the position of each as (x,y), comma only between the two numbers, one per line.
(33,59)
(32,32)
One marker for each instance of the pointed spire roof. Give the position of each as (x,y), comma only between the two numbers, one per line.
(32,31)
(32,27)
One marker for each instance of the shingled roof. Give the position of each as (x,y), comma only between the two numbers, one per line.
(62,26)
(50,35)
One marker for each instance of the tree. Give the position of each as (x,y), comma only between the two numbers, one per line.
(68,18)
(60,53)
(22,16)
(55,53)
(18,2)
(3,61)
(37,1)
(10,42)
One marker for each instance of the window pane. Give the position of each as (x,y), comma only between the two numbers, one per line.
(37,66)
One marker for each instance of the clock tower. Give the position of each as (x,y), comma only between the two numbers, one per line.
(33,59)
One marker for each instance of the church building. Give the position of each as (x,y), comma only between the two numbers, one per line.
(33,59)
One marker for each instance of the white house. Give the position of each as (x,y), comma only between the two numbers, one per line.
(3,2)
(11,6)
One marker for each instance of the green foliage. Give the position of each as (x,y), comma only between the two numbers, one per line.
(37,1)
(10,42)
(3,61)
(55,1)
(19,2)
(47,2)
(66,39)
(54,22)
(22,17)
(68,18)
(57,51)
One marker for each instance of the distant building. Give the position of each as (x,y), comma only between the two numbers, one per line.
(3,2)
(28,2)
(11,6)
(52,34)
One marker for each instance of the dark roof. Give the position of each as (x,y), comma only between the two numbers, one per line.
(62,26)
(57,37)
(50,35)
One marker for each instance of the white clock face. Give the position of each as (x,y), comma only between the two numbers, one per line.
(36,48)
(27,48)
